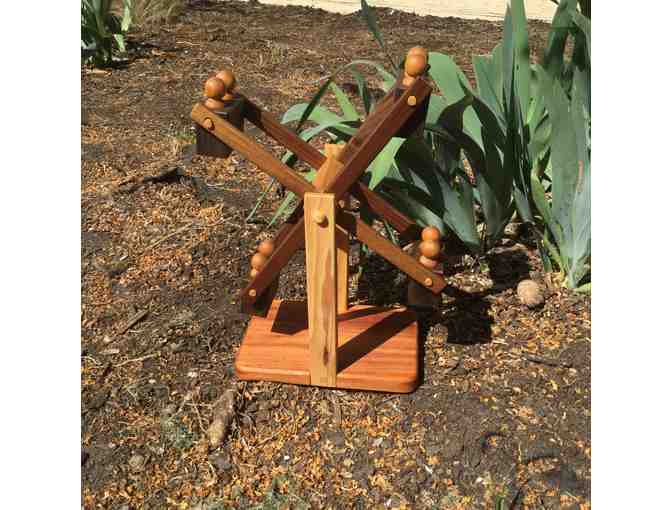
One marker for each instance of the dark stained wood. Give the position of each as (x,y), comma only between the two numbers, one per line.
(306,152)
(208,144)
(387,123)
(378,348)
(251,150)
(290,241)
(283,135)
(391,253)
(383,128)
(407,228)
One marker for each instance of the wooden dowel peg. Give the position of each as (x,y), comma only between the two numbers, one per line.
(214,88)
(208,124)
(320,218)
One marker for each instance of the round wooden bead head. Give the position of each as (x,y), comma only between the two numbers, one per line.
(258,261)
(229,81)
(419,50)
(266,248)
(430,249)
(214,88)
(415,64)
(431,234)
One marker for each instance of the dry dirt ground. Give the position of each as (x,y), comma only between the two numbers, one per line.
(504,409)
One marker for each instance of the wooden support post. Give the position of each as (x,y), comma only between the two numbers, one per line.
(326,172)
(320,221)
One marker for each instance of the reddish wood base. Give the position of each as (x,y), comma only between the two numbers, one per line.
(378,348)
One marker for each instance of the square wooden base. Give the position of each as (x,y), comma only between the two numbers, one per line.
(378,348)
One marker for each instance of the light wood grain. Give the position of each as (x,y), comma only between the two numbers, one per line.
(321,286)
(326,172)
(378,348)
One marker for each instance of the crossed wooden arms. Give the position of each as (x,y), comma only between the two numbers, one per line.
(389,117)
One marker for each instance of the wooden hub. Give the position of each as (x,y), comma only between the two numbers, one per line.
(377,348)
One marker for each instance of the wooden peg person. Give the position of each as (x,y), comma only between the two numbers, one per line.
(430,253)
(430,247)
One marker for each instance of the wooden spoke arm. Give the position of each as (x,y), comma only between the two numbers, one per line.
(288,242)
(392,253)
(283,135)
(251,150)
(305,152)
(407,228)
(387,125)
(294,240)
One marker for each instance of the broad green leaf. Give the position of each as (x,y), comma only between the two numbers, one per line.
(454,85)
(555,47)
(370,19)
(494,184)
(516,55)
(488,71)
(381,165)
(119,39)
(584,25)
(348,109)
(127,18)
(364,93)
(308,111)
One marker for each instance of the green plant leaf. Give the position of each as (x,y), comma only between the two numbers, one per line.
(383,162)
(555,47)
(348,109)
(516,56)
(488,71)
(370,19)
(364,93)
(453,85)
(584,25)
(126,18)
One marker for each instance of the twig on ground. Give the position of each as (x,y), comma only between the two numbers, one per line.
(178,231)
(133,321)
(142,358)
(546,361)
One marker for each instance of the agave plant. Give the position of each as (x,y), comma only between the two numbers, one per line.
(103,31)
(512,128)
(509,130)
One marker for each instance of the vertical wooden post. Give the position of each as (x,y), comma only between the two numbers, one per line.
(342,238)
(320,214)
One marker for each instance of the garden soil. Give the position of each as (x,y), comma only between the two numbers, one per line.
(503,413)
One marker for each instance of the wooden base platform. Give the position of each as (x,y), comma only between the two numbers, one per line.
(377,348)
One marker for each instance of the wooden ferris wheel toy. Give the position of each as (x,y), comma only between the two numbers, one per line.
(323,341)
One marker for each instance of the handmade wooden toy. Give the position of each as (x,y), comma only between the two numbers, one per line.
(323,341)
